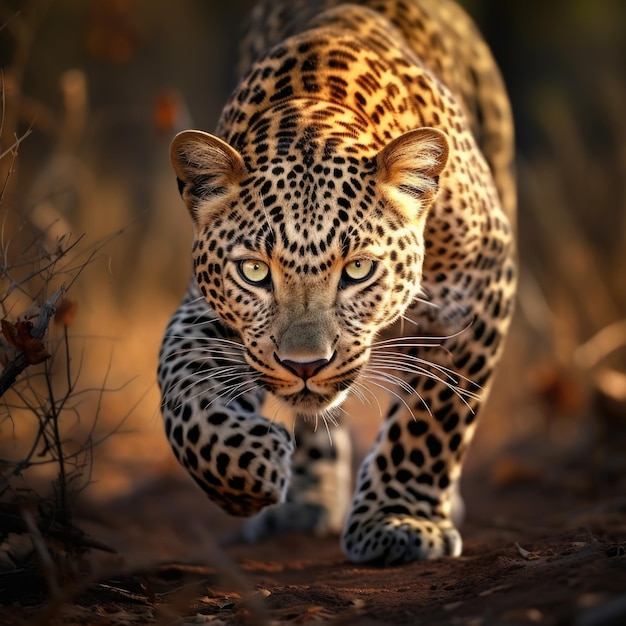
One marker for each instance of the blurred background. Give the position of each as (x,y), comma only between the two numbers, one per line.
(94,90)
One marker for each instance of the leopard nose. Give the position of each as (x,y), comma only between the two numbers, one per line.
(304,369)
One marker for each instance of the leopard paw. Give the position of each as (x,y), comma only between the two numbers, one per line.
(243,467)
(396,539)
(287,517)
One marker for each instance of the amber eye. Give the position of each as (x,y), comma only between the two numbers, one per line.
(358,270)
(254,272)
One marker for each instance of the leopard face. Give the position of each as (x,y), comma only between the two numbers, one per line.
(306,249)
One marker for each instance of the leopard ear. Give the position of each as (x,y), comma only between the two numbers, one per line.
(205,166)
(410,165)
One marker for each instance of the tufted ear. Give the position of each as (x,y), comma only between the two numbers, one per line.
(410,165)
(205,166)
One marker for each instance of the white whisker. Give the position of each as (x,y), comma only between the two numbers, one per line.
(244,391)
(399,382)
(205,356)
(201,319)
(365,388)
(225,388)
(408,341)
(209,341)
(216,374)
(452,374)
(430,303)
(200,298)
(453,382)
(372,379)
(460,392)
(229,392)
(330,438)
(411,368)
(396,380)
(355,391)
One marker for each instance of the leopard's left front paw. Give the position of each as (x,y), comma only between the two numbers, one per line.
(394,539)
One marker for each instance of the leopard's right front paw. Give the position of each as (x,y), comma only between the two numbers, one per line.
(243,466)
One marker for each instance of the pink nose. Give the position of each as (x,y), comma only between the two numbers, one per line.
(304,369)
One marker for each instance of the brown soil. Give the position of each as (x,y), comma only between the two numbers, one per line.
(545,543)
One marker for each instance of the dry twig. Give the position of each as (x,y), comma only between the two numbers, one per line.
(23,359)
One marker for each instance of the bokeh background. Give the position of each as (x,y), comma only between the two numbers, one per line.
(101,86)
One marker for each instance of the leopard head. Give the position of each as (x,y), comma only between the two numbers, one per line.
(306,250)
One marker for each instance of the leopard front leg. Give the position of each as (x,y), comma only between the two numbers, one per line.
(212,413)
(404,505)
(319,494)
(402,508)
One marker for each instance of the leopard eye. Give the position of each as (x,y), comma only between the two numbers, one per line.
(254,272)
(358,270)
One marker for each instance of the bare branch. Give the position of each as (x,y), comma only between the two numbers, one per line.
(20,363)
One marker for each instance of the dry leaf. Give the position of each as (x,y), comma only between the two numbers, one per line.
(66,313)
(18,335)
(167,110)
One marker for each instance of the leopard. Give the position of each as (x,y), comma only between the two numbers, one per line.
(353,237)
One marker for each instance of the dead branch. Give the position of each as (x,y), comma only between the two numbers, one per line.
(17,365)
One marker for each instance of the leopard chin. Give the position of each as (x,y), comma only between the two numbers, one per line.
(312,404)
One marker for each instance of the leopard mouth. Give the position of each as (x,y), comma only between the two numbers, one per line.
(307,402)
(304,399)
(312,396)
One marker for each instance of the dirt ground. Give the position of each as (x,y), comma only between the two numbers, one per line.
(545,543)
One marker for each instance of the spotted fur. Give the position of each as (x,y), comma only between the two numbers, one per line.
(353,231)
